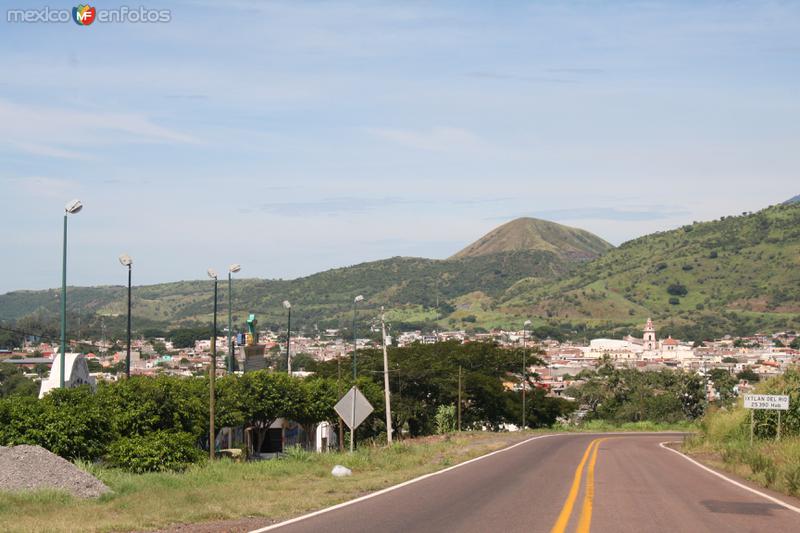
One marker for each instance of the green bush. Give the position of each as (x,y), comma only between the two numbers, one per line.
(160,451)
(140,405)
(445,419)
(677,289)
(68,422)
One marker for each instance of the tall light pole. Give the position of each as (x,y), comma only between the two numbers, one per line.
(524,371)
(234,268)
(126,261)
(70,209)
(355,350)
(288,306)
(212,372)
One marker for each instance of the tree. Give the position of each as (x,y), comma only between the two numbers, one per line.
(257,399)
(749,375)
(14,383)
(160,347)
(677,289)
(724,383)
(425,376)
(319,398)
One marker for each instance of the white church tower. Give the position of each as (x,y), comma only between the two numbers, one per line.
(649,338)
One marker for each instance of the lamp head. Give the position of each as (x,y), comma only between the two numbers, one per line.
(212,273)
(527,323)
(358,299)
(125,260)
(287,304)
(234,268)
(73,207)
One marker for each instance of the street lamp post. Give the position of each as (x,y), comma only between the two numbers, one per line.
(126,261)
(70,209)
(288,306)
(234,268)
(212,373)
(524,370)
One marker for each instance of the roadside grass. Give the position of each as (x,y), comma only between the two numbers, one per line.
(276,489)
(604,426)
(724,442)
(724,439)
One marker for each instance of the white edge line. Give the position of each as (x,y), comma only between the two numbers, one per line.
(732,481)
(400,485)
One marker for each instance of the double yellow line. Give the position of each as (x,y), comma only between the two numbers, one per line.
(585,520)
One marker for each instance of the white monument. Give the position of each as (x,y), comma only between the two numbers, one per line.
(76,373)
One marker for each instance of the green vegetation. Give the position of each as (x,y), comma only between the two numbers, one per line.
(222,490)
(620,396)
(649,426)
(424,377)
(159,451)
(412,287)
(733,276)
(134,422)
(724,439)
(14,383)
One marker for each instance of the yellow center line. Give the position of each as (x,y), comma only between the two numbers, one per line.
(566,511)
(585,520)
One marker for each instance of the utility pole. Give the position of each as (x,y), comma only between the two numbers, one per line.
(459,398)
(386,393)
(288,306)
(524,371)
(212,373)
(339,395)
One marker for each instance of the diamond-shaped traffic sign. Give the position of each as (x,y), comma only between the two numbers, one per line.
(354,408)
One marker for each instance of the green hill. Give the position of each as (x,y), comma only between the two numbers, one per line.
(532,234)
(736,274)
(416,290)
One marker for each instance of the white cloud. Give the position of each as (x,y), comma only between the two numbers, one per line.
(56,132)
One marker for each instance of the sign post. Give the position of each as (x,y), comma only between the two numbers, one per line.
(766,401)
(354,408)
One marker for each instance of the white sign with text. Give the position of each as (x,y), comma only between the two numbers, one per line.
(766,401)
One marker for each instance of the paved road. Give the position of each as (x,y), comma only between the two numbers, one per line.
(566,483)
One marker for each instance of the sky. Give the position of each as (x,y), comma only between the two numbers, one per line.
(293,137)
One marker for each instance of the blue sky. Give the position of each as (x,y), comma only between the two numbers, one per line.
(293,137)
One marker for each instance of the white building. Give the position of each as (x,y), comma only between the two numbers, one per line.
(76,373)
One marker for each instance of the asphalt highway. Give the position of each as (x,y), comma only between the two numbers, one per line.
(568,483)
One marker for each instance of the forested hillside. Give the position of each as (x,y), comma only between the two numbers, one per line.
(734,275)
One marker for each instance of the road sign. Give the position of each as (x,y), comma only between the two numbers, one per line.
(354,408)
(766,401)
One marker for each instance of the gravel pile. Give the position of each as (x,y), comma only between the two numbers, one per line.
(32,467)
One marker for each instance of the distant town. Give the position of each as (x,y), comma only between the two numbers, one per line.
(754,358)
